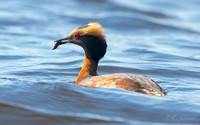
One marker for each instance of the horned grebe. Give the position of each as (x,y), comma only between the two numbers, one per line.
(91,38)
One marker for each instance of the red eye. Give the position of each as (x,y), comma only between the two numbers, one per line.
(77,35)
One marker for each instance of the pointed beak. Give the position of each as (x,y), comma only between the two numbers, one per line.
(60,42)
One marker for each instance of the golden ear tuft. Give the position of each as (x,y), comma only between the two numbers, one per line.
(93,28)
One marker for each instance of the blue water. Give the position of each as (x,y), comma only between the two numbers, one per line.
(158,39)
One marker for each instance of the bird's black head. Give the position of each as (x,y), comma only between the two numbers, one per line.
(94,47)
(90,37)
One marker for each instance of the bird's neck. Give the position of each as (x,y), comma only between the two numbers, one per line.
(89,69)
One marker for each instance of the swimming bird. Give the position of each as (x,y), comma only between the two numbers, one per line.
(92,39)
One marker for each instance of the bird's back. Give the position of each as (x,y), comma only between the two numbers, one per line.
(131,82)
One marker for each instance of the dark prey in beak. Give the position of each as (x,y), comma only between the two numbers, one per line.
(59,42)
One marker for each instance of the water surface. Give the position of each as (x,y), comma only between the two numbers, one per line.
(158,39)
